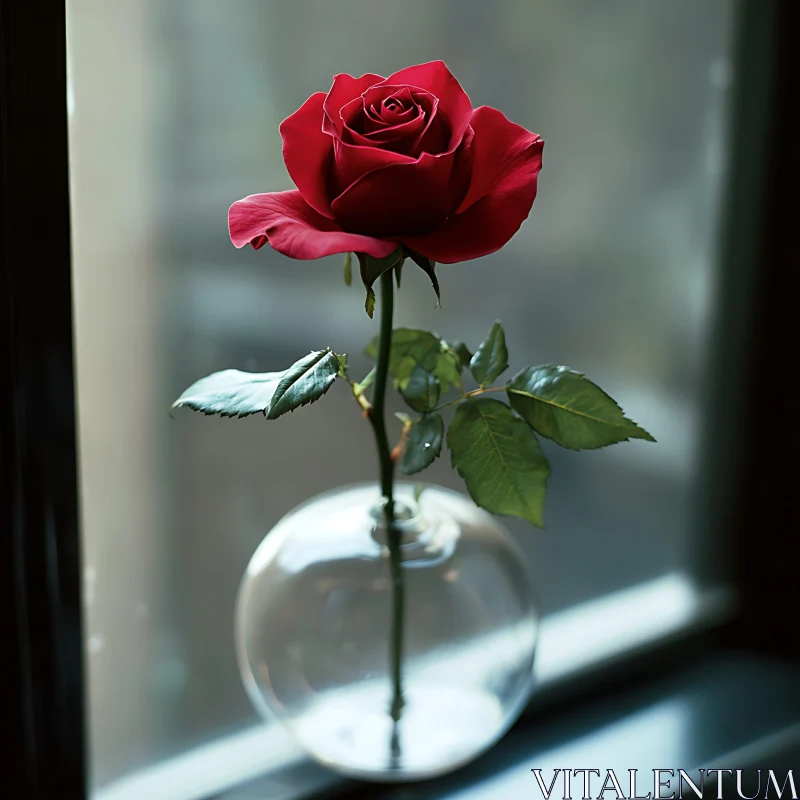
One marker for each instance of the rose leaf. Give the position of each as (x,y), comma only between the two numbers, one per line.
(232,393)
(422,390)
(462,353)
(304,382)
(423,445)
(411,348)
(568,408)
(491,358)
(499,458)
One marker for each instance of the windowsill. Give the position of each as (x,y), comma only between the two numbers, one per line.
(726,711)
(729,711)
(572,643)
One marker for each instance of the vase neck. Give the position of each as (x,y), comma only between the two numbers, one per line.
(421,538)
(408,521)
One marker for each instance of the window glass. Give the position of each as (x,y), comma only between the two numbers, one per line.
(174,114)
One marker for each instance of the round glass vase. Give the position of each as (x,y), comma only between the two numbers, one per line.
(313,622)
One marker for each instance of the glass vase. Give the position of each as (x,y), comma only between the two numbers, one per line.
(313,625)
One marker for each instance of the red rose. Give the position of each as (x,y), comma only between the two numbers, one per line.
(401,160)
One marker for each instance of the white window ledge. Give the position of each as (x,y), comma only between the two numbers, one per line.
(571,641)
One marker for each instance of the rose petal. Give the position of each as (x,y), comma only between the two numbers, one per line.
(402,96)
(498,146)
(394,115)
(393,108)
(308,153)
(353,118)
(435,137)
(408,132)
(345,88)
(352,161)
(400,138)
(454,105)
(406,198)
(383,109)
(506,160)
(422,133)
(372,117)
(383,116)
(376,97)
(389,100)
(288,223)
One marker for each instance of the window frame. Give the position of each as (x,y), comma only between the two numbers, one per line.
(38,472)
(39,500)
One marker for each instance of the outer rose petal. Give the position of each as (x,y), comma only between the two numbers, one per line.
(308,153)
(287,222)
(454,104)
(500,148)
(506,163)
(345,88)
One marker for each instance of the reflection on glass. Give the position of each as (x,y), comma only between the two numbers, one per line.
(313,631)
(175,110)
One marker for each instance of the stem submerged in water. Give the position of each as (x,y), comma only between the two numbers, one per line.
(377,418)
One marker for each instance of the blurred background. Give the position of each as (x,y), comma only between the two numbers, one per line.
(174,114)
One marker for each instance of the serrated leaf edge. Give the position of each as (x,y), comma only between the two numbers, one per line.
(509,390)
(538,524)
(286,384)
(187,403)
(487,341)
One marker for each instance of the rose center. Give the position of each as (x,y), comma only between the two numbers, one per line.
(398,118)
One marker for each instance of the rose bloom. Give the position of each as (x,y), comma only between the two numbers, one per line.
(404,160)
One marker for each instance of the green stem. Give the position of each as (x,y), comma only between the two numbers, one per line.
(467,395)
(377,418)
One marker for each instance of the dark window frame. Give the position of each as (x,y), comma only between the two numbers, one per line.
(38,475)
(39,503)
